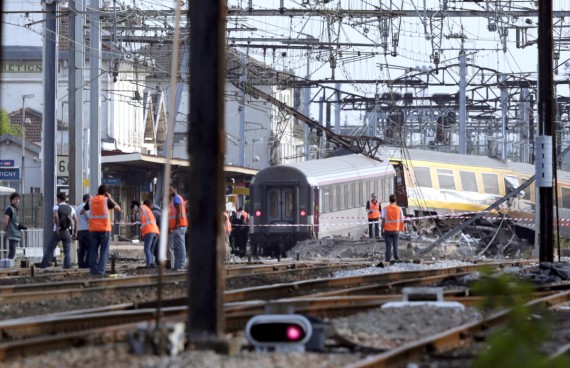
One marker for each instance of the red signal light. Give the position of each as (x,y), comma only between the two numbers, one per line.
(294,333)
(303,213)
(257,213)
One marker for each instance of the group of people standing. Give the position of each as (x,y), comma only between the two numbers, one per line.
(388,221)
(90,224)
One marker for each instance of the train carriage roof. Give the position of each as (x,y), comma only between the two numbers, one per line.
(395,153)
(527,170)
(342,168)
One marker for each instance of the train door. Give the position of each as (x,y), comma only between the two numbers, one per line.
(280,209)
(316,213)
(400,185)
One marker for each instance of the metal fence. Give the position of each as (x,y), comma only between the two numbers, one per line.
(31,246)
(31,208)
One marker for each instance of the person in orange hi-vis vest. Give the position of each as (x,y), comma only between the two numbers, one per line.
(178,225)
(392,224)
(373,209)
(149,232)
(100,228)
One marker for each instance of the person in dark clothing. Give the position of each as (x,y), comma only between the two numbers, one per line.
(236,225)
(244,230)
(12,226)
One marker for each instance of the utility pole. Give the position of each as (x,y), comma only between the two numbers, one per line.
(545,152)
(94,101)
(23,169)
(337,109)
(50,96)
(75,88)
(504,116)
(242,81)
(206,180)
(306,104)
(462,100)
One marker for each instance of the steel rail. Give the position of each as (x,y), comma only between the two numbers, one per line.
(402,355)
(285,290)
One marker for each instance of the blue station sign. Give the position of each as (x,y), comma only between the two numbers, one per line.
(9,173)
(111,181)
(7,163)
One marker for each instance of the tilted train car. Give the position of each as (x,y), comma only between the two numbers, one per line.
(314,199)
(439,183)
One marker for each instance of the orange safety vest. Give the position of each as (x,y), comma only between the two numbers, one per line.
(375,210)
(148,221)
(172,213)
(99,219)
(227,223)
(393,220)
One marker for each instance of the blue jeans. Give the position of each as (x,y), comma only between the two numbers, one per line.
(65,237)
(99,251)
(12,244)
(150,241)
(178,247)
(391,239)
(83,249)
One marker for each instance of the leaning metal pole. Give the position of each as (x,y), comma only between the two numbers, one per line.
(545,151)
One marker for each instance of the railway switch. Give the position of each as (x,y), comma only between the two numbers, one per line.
(279,332)
(424,296)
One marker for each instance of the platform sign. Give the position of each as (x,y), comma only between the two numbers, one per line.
(111,181)
(6,163)
(9,173)
(62,166)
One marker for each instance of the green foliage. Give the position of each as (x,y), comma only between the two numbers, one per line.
(517,346)
(6,127)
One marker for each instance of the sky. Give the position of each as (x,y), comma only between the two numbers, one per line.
(374,62)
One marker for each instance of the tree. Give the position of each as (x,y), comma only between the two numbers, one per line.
(6,127)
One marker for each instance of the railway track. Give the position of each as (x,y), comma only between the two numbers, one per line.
(448,340)
(81,326)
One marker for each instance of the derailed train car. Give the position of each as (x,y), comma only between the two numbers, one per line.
(441,183)
(319,198)
(314,199)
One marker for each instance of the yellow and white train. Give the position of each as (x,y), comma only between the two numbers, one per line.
(439,183)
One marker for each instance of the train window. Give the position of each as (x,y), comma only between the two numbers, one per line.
(359,192)
(289,204)
(273,204)
(511,183)
(445,178)
(468,181)
(491,183)
(351,203)
(388,188)
(334,202)
(342,197)
(366,192)
(528,190)
(326,200)
(423,177)
(565,197)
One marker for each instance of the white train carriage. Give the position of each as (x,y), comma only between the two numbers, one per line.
(315,199)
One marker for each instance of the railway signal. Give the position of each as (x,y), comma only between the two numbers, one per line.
(279,332)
